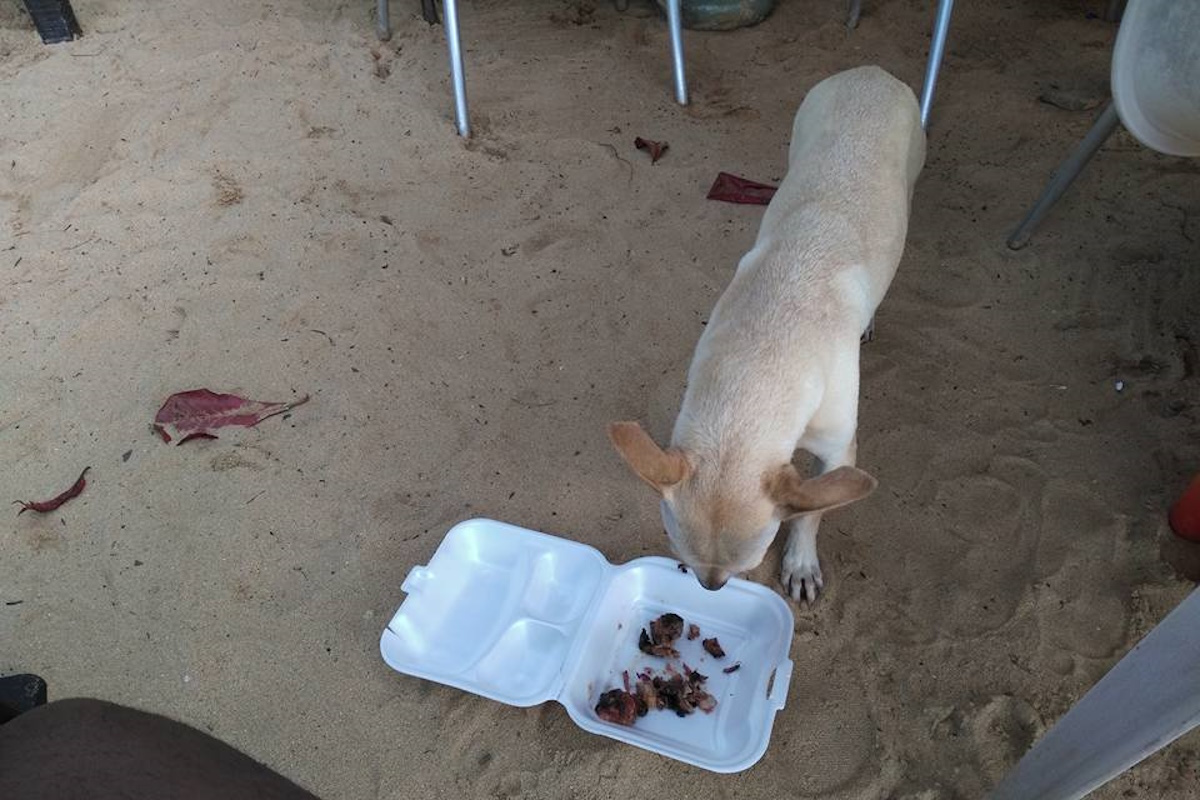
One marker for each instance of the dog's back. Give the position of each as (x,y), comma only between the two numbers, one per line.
(857,149)
(832,236)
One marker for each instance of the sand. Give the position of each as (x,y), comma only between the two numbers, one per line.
(262,198)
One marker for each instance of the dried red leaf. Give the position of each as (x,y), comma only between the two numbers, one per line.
(713,646)
(194,414)
(46,506)
(732,189)
(655,149)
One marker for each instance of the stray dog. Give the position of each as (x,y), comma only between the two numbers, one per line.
(776,369)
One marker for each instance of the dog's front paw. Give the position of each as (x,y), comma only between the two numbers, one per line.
(868,335)
(802,576)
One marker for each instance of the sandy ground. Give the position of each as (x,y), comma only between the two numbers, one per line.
(262,198)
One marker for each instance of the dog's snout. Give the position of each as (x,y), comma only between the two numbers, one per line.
(712,579)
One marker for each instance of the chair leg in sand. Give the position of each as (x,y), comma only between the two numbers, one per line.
(1066,174)
(937,49)
(853,12)
(383,22)
(675,23)
(457,75)
(458,79)
(1155,76)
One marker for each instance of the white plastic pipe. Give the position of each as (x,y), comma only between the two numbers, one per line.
(1148,700)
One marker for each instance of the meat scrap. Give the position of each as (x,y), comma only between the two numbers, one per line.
(671,690)
(682,693)
(660,641)
(619,707)
(648,646)
(646,693)
(666,628)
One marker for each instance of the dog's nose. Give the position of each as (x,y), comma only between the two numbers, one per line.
(713,579)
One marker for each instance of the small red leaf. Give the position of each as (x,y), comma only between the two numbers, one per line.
(46,506)
(656,149)
(198,435)
(194,414)
(732,189)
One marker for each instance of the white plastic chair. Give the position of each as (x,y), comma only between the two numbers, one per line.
(675,25)
(458,77)
(1156,95)
(1148,700)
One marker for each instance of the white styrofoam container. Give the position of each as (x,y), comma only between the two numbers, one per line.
(523,618)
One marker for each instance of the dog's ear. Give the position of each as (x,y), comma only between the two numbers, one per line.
(660,468)
(796,495)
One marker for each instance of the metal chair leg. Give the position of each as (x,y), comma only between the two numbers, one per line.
(675,22)
(1067,172)
(853,12)
(937,48)
(383,25)
(450,13)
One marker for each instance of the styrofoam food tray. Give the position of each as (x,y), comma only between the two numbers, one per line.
(522,617)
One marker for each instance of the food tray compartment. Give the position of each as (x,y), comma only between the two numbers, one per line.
(754,626)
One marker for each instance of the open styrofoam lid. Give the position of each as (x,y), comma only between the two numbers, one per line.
(495,612)
(521,617)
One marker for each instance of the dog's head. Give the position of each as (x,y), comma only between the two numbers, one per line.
(721,526)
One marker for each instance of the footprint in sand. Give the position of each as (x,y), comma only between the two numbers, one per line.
(1075,525)
(1003,730)
(1083,613)
(829,731)
(984,558)
(1081,609)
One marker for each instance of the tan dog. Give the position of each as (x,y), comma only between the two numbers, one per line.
(776,370)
